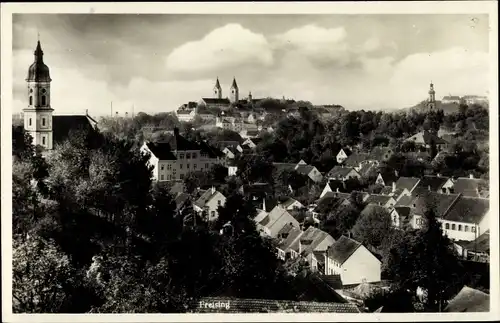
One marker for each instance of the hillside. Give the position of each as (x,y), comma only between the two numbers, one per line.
(448,108)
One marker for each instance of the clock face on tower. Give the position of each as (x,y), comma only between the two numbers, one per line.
(43,91)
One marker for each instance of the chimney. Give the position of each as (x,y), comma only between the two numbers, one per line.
(396,173)
(337,190)
(213,190)
(86,112)
(176,131)
(264,204)
(393,187)
(471,176)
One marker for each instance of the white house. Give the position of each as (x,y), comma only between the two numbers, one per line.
(174,159)
(186,115)
(343,173)
(342,156)
(468,186)
(272,223)
(291,204)
(310,171)
(451,99)
(209,202)
(386,201)
(353,262)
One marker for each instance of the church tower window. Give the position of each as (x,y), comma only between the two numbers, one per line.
(31,100)
(30,122)
(44,100)
(43,122)
(43,140)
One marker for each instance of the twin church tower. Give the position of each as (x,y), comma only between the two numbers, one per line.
(234,91)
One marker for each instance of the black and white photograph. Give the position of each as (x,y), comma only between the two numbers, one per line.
(172,160)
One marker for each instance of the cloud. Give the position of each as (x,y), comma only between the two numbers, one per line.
(225,47)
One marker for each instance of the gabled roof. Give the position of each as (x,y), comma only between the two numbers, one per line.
(181,199)
(342,249)
(184,111)
(380,153)
(304,169)
(481,244)
(451,97)
(289,201)
(425,137)
(315,236)
(389,178)
(277,219)
(205,198)
(470,186)
(418,155)
(377,199)
(407,183)
(340,171)
(336,184)
(179,143)
(387,190)
(431,182)
(62,126)
(212,152)
(291,242)
(403,211)
(330,201)
(469,300)
(368,169)
(442,202)
(355,159)
(468,209)
(216,101)
(161,150)
(284,166)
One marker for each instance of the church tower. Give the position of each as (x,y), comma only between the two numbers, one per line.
(235,92)
(38,113)
(432,98)
(217,90)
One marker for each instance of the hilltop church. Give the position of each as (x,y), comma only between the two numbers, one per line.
(46,129)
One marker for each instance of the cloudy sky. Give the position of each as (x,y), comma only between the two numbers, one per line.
(158,62)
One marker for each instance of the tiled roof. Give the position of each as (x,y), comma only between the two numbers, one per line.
(470,186)
(161,150)
(389,178)
(481,244)
(330,202)
(342,249)
(432,183)
(378,199)
(216,101)
(335,183)
(441,202)
(405,201)
(373,208)
(305,169)
(380,153)
(355,159)
(334,281)
(239,305)
(179,143)
(387,190)
(469,300)
(181,199)
(277,219)
(205,198)
(316,236)
(62,126)
(425,137)
(451,97)
(289,201)
(212,152)
(339,171)
(284,166)
(292,238)
(407,183)
(368,169)
(468,209)
(418,155)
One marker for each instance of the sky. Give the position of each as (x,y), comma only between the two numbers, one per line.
(155,63)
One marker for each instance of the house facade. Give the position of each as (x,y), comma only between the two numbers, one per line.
(173,160)
(209,202)
(353,262)
(341,156)
(343,173)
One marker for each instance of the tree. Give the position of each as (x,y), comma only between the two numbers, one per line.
(42,276)
(372,226)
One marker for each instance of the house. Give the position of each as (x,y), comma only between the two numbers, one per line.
(186,112)
(431,183)
(343,173)
(289,246)
(352,261)
(290,204)
(385,201)
(476,250)
(256,191)
(451,99)
(467,186)
(284,166)
(310,171)
(181,200)
(252,142)
(400,217)
(232,167)
(406,185)
(392,191)
(474,99)
(252,133)
(467,218)
(342,155)
(330,202)
(209,202)
(355,159)
(381,154)
(173,159)
(469,300)
(333,185)
(275,221)
(425,138)
(421,156)
(314,244)
(177,188)
(386,179)
(368,168)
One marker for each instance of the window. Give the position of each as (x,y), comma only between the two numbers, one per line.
(193,155)
(162,167)
(180,166)
(466,228)
(188,156)
(175,170)
(43,121)
(453,226)
(219,202)
(212,214)
(194,166)
(181,156)
(472,229)
(31,100)
(447,226)
(187,166)
(30,121)
(44,100)
(162,177)
(169,166)
(459,227)
(181,176)
(43,140)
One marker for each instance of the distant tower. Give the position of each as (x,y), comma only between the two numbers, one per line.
(38,114)
(217,90)
(235,92)
(432,98)
(250,97)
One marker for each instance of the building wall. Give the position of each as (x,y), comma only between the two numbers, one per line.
(341,156)
(452,229)
(186,117)
(315,176)
(361,265)
(217,200)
